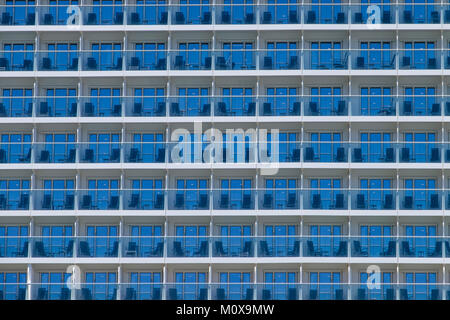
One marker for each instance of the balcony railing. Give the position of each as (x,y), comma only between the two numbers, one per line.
(206,14)
(134,247)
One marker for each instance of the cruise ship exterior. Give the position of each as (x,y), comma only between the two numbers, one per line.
(224,150)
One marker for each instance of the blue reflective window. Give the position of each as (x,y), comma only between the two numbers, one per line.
(151,11)
(235,190)
(328,55)
(375,191)
(18,102)
(374,145)
(420,55)
(234,238)
(420,10)
(421,100)
(148,145)
(108,56)
(193,11)
(376,55)
(235,284)
(57,190)
(13,285)
(420,191)
(281,101)
(103,145)
(326,10)
(150,99)
(192,55)
(60,101)
(326,238)
(374,293)
(107,11)
(375,239)
(325,145)
(278,283)
(240,11)
(16,147)
(16,194)
(280,238)
(237,146)
(56,239)
(19,12)
(150,54)
(281,190)
(377,101)
(420,284)
(192,101)
(12,240)
(61,56)
(385,9)
(105,101)
(237,56)
(20,56)
(327,100)
(280,55)
(56,12)
(236,102)
(145,284)
(421,239)
(102,191)
(102,239)
(147,191)
(189,284)
(325,284)
(59,145)
(279,11)
(102,285)
(53,284)
(420,145)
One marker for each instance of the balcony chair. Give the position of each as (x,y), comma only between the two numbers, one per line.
(293,63)
(249,18)
(65,294)
(267,202)
(405,250)
(407,16)
(130,294)
(2,110)
(435,155)
(48,19)
(118,65)
(206,110)
(177,249)
(311,17)
(340,108)
(203,250)
(312,294)
(316,202)
(434,201)
(432,63)
(43,108)
(23,252)
(26,158)
(161,155)
(203,201)
(295,156)
(435,18)
(390,294)
(162,65)
(342,250)
(44,156)
(339,294)
(435,294)
(391,64)
(163,17)
(340,18)
(137,109)
(292,294)
(251,109)
(224,201)
(68,251)
(88,109)
(46,63)
(388,201)
(220,251)
(447,155)
(221,109)
(267,17)
(403,294)
(266,294)
(267,63)
(295,109)
(447,16)
(292,200)
(47,202)
(362,294)
(156,294)
(339,203)
(91,63)
(2,202)
(360,201)
(117,110)
(358,18)
(69,202)
(357,250)
(6,19)
(389,156)
(135,63)
(113,203)
(220,294)
(29,110)
(221,63)
(86,294)
(408,202)
(248,294)
(42,294)
(175,109)
(225,17)
(310,250)
(405,155)
(386,17)
(206,17)
(267,109)
(114,156)
(406,62)
(293,16)
(135,18)
(118,18)
(447,249)
(340,155)
(4,64)
(134,155)
(84,250)
(360,63)
(435,109)
(247,251)
(158,251)
(357,155)
(247,201)
(24,201)
(313,108)
(39,250)
(88,155)
(295,252)
(203,294)
(437,252)
(159,202)
(86,203)
(92,18)
(179,17)
(264,249)
(73,110)
(114,251)
(309,154)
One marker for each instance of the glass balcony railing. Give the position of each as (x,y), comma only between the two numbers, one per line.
(190,59)
(198,14)
(374,59)
(54,199)
(279,105)
(233,246)
(99,152)
(96,247)
(419,152)
(101,106)
(379,152)
(142,246)
(325,151)
(14,247)
(64,152)
(420,59)
(325,105)
(146,106)
(15,152)
(145,152)
(230,199)
(373,105)
(17,60)
(232,106)
(188,246)
(190,106)
(227,291)
(236,59)
(150,199)
(279,199)
(102,60)
(98,199)
(43,247)
(16,107)
(420,199)
(57,106)
(373,199)
(146,60)
(420,105)
(57,60)
(185,199)
(325,199)
(278,246)
(373,246)
(14,199)
(323,246)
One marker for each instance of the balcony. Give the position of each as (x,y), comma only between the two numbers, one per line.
(99,152)
(149,14)
(373,199)
(420,152)
(232,106)
(54,199)
(416,247)
(15,152)
(325,105)
(145,106)
(420,199)
(14,199)
(57,106)
(102,60)
(150,199)
(184,199)
(229,199)
(17,60)
(191,14)
(101,106)
(188,246)
(190,106)
(190,59)
(279,199)
(326,13)
(373,152)
(271,106)
(103,15)
(236,59)
(98,199)
(325,151)
(64,152)
(45,247)
(233,246)
(323,246)
(420,13)
(142,247)
(11,107)
(57,60)
(97,247)
(325,199)
(373,246)
(235,14)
